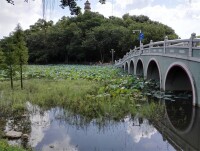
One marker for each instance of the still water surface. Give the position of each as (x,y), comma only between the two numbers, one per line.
(56,130)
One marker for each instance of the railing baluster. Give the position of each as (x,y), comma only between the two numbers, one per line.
(151,45)
(193,35)
(165,44)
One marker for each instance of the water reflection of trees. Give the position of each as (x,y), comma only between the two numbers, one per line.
(81,122)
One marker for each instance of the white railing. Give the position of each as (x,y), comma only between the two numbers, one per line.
(184,47)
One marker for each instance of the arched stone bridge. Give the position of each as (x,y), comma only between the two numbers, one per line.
(174,63)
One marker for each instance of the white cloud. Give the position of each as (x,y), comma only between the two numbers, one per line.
(138,132)
(39,123)
(23,13)
(133,3)
(65,144)
(105,9)
(184,18)
(124,3)
(119,8)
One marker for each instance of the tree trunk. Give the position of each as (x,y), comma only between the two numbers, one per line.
(66,56)
(11,77)
(66,59)
(21,76)
(101,54)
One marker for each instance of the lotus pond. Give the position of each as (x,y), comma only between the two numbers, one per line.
(84,108)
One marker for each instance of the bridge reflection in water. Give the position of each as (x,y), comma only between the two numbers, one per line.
(180,125)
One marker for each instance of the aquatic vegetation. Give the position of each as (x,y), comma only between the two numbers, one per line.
(4,146)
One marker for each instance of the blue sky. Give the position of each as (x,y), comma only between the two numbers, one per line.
(182,15)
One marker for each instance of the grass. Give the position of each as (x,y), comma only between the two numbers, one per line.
(90,99)
(4,146)
(45,93)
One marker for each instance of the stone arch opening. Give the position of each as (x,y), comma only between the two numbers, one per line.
(153,71)
(140,69)
(179,98)
(126,67)
(177,79)
(131,67)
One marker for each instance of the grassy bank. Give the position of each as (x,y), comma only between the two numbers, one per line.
(45,93)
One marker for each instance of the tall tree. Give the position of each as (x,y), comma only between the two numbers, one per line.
(9,57)
(1,57)
(21,51)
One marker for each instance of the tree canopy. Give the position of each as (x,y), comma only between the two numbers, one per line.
(89,37)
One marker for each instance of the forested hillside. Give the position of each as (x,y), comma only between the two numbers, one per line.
(89,37)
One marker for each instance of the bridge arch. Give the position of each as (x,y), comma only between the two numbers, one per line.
(126,67)
(179,78)
(153,70)
(131,67)
(140,68)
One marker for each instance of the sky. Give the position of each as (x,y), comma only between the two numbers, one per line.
(181,15)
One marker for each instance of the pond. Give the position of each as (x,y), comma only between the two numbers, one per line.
(56,129)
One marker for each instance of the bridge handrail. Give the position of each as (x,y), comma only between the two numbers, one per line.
(176,43)
(196,40)
(177,40)
(157,43)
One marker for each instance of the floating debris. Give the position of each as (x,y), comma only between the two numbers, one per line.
(51,146)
